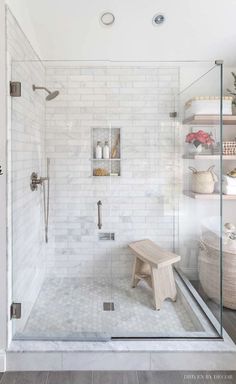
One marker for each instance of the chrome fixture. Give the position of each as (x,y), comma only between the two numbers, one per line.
(15,311)
(99,204)
(105,236)
(35,181)
(107,19)
(15,88)
(108,306)
(173,114)
(50,96)
(158,19)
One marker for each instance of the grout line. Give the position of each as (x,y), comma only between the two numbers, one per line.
(92,377)
(46,382)
(137,377)
(62,361)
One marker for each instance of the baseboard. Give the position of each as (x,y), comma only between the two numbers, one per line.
(2,361)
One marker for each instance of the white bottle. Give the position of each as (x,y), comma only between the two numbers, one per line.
(98,151)
(106,152)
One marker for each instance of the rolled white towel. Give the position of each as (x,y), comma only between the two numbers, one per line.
(231,181)
(228,189)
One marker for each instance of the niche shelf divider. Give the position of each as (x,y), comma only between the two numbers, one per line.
(111,166)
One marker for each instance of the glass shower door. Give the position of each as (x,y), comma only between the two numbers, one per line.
(26,225)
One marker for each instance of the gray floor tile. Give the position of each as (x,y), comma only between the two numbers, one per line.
(115,377)
(151,377)
(24,378)
(69,378)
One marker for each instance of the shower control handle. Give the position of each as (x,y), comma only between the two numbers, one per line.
(35,181)
(99,204)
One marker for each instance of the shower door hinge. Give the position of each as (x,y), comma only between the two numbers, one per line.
(173,114)
(16,311)
(15,88)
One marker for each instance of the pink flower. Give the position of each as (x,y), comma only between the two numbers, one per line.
(190,137)
(199,137)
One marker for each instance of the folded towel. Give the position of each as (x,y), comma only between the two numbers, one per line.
(227,180)
(228,189)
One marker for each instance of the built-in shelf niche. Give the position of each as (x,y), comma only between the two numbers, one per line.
(111,166)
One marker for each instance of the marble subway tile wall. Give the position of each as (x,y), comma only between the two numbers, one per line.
(26,137)
(138,204)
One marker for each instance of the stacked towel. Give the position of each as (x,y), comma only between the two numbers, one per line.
(228,180)
(229,185)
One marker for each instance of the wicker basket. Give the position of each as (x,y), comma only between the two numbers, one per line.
(209,274)
(229,147)
(203,181)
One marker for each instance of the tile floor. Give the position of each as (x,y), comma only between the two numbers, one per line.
(128,377)
(73,308)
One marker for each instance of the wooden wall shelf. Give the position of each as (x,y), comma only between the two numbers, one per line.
(209,157)
(210,120)
(210,196)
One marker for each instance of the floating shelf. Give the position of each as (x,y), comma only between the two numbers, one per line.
(209,157)
(210,120)
(110,159)
(210,196)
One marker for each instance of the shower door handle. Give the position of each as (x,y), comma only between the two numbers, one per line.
(99,204)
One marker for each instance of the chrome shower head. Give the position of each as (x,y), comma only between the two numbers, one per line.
(50,96)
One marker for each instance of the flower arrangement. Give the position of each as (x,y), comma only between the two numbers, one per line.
(200,137)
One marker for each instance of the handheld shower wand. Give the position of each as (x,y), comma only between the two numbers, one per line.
(35,181)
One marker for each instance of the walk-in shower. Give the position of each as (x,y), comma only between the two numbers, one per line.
(50,96)
(137,189)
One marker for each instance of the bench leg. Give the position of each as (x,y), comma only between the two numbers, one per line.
(163,285)
(136,268)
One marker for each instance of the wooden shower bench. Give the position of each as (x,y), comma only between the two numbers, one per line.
(154,265)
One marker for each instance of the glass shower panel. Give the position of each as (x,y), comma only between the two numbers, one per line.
(26,154)
(144,199)
(200,209)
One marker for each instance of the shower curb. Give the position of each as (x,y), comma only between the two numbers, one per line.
(163,360)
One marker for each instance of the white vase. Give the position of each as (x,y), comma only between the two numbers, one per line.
(193,149)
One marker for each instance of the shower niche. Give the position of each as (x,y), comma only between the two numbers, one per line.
(106,151)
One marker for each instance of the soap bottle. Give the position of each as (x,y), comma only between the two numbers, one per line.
(98,150)
(106,151)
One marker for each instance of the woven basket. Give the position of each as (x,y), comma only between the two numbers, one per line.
(203,181)
(209,274)
(229,147)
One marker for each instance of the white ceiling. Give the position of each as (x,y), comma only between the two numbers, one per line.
(70,29)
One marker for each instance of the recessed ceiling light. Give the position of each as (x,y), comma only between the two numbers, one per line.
(107,19)
(158,19)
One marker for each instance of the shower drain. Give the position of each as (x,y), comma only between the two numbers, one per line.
(108,306)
